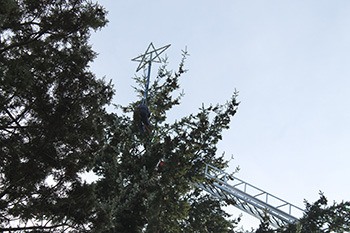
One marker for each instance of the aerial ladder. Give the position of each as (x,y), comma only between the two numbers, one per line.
(249,198)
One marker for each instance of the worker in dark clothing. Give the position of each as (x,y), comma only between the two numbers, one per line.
(141,118)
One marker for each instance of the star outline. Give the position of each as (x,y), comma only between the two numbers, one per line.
(147,57)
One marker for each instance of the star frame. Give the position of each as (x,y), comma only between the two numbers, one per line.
(151,55)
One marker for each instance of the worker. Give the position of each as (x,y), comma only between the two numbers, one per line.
(141,118)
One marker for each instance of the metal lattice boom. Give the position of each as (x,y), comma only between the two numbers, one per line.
(249,198)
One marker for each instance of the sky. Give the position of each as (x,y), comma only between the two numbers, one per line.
(288,59)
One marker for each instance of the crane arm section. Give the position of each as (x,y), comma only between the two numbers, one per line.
(249,198)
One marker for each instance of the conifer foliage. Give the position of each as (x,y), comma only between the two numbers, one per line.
(147,179)
(51,113)
(53,127)
(320,217)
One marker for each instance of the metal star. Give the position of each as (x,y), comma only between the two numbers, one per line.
(151,55)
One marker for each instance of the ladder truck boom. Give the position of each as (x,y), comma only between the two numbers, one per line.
(249,198)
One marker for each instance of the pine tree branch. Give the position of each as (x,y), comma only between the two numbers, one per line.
(11,229)
(25,42)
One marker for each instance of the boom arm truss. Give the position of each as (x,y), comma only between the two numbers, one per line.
(249,198)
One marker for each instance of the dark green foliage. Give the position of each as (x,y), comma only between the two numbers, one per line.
(51,113)
(206,215)
(318,218)
(134,194)
(53,127)
(264,226)
(322,218)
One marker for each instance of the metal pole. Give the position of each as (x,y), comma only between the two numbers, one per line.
(145,96)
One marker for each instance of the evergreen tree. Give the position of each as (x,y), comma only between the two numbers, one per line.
(147,178)
(322,218)
(264,226)
(318,218)
(51,113)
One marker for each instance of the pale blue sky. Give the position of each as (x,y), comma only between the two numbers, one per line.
(288,59)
